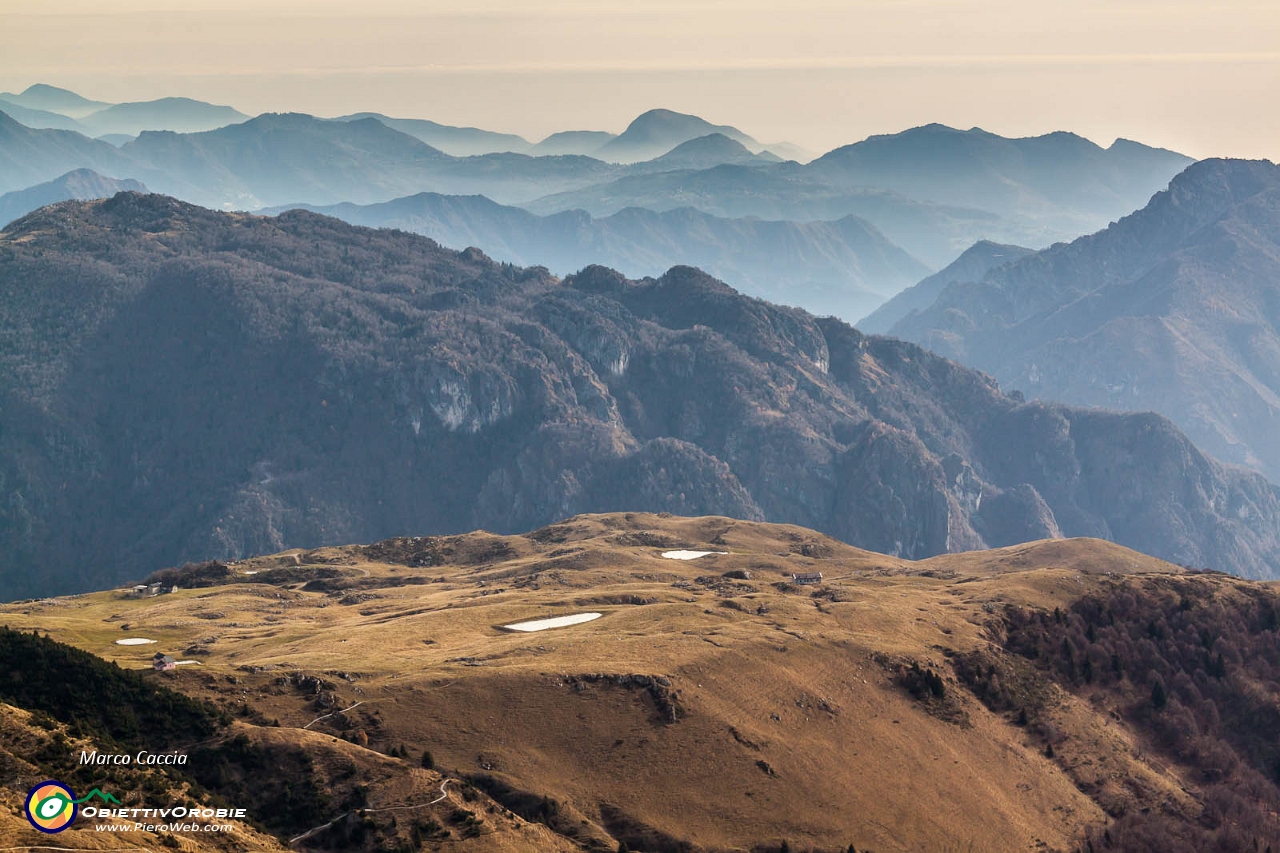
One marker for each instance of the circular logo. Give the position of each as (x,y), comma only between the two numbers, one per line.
(51,806)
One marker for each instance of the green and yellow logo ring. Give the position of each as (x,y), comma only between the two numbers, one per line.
(51,807)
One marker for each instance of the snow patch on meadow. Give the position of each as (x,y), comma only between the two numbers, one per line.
(553,622)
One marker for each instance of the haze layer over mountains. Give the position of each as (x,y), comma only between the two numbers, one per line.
(843,267)
(931,191)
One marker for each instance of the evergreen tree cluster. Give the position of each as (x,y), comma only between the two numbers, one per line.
(98,698)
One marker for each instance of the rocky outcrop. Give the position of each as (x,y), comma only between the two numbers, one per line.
(665,698)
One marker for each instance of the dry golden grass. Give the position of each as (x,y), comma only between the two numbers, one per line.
(791,726)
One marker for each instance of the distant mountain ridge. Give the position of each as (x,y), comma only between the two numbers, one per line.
(584,142)
(844,267)
(972,265)
(1058,170)
(80,184)
(1034,191)
(932,190)
(42,96)
(705,152)
(178,115)
(932,232)
(40,119)
(650,135)
(656,132)
(29,157)
(1175,308)
(214,385)
(42,106)
(278,158)
(457,141)
(262,160)
(1027,192)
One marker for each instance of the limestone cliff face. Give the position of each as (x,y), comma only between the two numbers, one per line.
(179,384)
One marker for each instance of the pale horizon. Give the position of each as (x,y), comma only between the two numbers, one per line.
(820,74)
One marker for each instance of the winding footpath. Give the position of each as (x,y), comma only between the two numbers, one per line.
(310,832)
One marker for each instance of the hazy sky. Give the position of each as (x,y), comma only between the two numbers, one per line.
(1201,77)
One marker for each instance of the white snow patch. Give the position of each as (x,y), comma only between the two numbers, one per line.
(251,571)
(133,641)
(689,555)
(553,622)
(185,662)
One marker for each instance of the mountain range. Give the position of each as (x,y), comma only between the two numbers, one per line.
(1060,181)
(274,159)
(457,141)
(933,190)
(180,383)
(649,136)
(1175,308)
(933,233)
(49,107)
(281,158)
(843,268)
